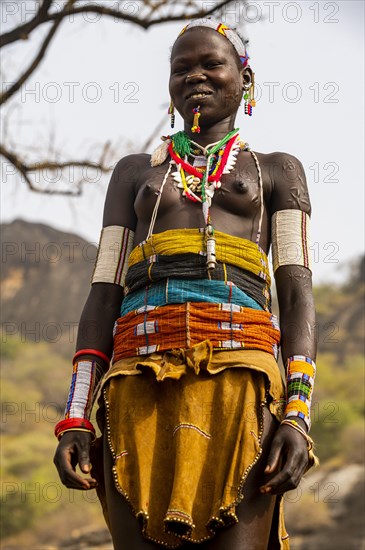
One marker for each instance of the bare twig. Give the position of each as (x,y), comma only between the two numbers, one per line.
(22,32)
(36,61)
(27,168)
(145,23)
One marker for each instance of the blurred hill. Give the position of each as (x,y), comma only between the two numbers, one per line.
(45,278)
(44,281)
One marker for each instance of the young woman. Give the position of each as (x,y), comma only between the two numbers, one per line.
(200,437)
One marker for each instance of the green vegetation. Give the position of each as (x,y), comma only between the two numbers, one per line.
(34,387)
(338,404)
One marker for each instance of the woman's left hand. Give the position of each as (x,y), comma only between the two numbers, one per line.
(288,460)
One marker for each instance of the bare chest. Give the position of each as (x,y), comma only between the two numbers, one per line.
(239,194)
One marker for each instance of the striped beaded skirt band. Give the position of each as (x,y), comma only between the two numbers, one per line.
(226,326)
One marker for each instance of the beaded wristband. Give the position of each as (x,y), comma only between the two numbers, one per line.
(69,424)
(86,378)
(96,352)
(301,371)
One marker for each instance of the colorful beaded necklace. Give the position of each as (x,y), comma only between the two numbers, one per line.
(204,177)
(200,179)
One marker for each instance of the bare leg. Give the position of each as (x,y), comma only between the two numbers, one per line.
(124,528)
(254,513)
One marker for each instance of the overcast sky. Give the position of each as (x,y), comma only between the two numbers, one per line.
(108,80)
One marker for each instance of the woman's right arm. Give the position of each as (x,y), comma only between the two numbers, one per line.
(95,330)
(104,300)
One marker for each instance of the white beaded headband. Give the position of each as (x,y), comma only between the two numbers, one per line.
(225,31)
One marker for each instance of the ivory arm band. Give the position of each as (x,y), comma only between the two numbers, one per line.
(290,237)
(116,243)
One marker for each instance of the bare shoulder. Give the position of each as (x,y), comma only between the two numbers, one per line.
(129,168)
(120,197)
(280,161)
(289,184)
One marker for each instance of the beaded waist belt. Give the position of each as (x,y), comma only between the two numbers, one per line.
(226,326)
(192,267)
(179,291)
(231,250)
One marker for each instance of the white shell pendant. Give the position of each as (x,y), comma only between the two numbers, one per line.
(194,183)
(177,177)
(192,180)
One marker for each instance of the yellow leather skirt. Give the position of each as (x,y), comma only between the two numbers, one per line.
(184,429)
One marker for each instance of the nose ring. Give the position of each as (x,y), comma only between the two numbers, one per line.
(192,75)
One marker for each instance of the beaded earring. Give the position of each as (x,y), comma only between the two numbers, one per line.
(171,112)
(196,128)
(249,97)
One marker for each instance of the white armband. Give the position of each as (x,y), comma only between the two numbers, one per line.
(290,238)
(116,243)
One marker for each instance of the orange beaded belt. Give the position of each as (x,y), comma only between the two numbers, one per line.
(180,326)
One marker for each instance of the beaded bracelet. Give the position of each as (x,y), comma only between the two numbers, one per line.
(69,424)
(301,371)
(96,352)
(86,378)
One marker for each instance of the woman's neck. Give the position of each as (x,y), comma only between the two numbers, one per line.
(210,134)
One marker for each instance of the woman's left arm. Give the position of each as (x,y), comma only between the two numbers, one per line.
(290,210)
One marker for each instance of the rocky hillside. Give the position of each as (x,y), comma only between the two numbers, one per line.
(44,281)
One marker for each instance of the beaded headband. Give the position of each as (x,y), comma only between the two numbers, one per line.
(230,34)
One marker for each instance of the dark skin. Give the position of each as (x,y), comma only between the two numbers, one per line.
(212,65)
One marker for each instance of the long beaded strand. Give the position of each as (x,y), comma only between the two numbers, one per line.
(220,153)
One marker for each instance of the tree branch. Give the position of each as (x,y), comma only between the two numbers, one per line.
(22,32)
(145,23)
(38,58)
(25,169)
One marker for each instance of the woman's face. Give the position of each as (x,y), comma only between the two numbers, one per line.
(216,81)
